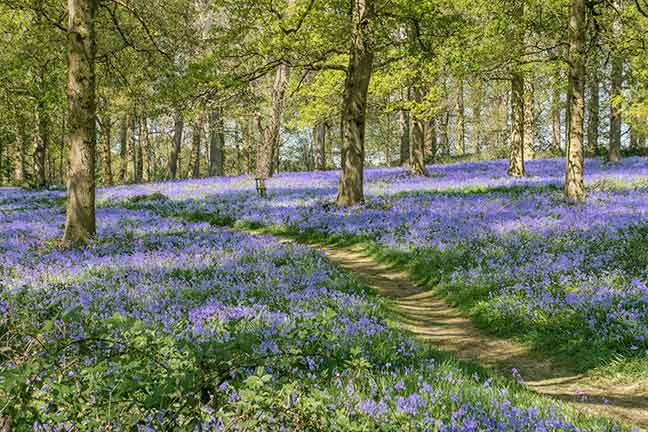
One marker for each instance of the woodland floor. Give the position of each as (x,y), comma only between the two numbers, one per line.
(435,321)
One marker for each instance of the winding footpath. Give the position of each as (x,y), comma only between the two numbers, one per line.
(435,321)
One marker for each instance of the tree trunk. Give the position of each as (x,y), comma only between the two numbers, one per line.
(147,161)
(556,121)
(247,127)
(62,149)
(431,138)
(354,105)
(319,138)
(477,123)
(634,138)
(172,168)
(614,151)
(196,142)
(80,224)
(123,143)
(529,121)
(20,149)
(516,160)
(106,162)
(417,145)
(268,152)
(461,118)
(131,143)
(41,141)
(217,143)
(139,151)
(2,161)
(445,135)
(594,120)
(404,135)
(574,183)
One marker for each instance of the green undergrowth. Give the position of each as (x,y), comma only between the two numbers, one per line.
(417,264)
(428,268)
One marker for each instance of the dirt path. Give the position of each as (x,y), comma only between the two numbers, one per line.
(433,320)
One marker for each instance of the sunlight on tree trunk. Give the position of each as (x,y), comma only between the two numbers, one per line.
(529,121)
(516,160)
(354,105)
(574,183)
(19,151)
(80,224)
(431,143)
(461,118)
(319,138)
(417,144)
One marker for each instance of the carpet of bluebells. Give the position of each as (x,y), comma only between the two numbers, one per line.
(524,260)
(167,324)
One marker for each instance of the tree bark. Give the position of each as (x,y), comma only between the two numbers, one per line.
(574,183)
(131,144)
(106,162)
(41,143)
(417,145)
(431,144)
(516,160)
(19,152)
(614,150)
(147,161)
(529,121)
(217,143)
(404,136)
(172,168)
(477,123)
(123,143)
(247,127)
(594,119)
(556,121)
(354,105)
(268,151)
(319,138)
(62,149)
(80,222)
(461,118)
(196,142)
(139,150)
(445,135)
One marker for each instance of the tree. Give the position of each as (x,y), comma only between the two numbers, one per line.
(80,224)
(106,157)
(516,159)
(574,182)
(217,143)
(196,139)
(319,145)
(354,105)
(417,143)
(404,135)
(461,118)
(616,82)
(178,126)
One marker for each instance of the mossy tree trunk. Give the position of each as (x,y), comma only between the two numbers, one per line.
(574,182)
(80,224)
(354,105)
